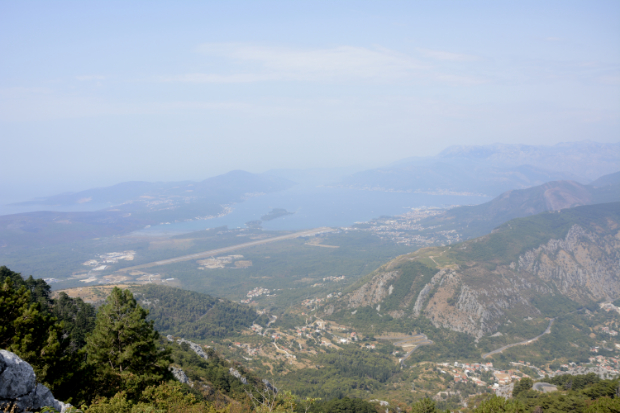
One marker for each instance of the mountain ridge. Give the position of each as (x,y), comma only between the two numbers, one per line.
(534,266)
(477,220)
(493,169)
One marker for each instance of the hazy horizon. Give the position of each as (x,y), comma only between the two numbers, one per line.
(93,94)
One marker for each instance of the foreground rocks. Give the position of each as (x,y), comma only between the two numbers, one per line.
(19,391)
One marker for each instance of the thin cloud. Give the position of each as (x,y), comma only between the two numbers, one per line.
(610,79)
(86,78)
(442,55)
(281,64)
(215,78)
(461,80)
(37,104)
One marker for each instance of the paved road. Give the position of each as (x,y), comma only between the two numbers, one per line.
(423,341)
(544,387)
(226,249)
(417,337)
(499,350)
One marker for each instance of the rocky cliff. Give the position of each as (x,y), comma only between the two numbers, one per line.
(528,267)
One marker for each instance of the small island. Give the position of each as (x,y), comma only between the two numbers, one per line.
(276,213)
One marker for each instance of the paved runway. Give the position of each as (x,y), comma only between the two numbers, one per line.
(218,251)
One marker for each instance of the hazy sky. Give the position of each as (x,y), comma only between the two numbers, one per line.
(95,93)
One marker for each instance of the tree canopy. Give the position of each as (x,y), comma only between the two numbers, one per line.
(123,347)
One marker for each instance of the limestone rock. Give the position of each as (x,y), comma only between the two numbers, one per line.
(18,387)
(269,386)
(17,377)
(180,375)
(238,375)
(195,347)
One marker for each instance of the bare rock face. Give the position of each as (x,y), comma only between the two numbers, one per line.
(582,265)
(19,390)
(477,297)
(374,291)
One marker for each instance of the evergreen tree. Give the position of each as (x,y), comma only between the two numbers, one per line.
(78,320)
(522,386)
(500,405)
(123,347)
(425,405)
(28,332)
(39,289)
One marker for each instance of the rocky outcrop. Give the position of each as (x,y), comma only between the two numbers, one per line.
(180,375)
(238,375)
(426,292)
(196,348)
(476,296)
(270,386)
(581,266)
(19,391)
(374,291)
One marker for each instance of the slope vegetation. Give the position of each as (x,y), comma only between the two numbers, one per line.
(194,315)
(545,265)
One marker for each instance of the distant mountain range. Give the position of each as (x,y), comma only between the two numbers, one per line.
(493,169)
(133,205)
(478,220)
(584,160)
(487,170)
(562,170)
(229,187)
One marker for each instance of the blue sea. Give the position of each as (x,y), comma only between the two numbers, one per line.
(314,207)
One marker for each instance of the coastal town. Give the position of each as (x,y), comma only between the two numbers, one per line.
(406,229)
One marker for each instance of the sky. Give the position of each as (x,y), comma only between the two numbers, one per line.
(93,93)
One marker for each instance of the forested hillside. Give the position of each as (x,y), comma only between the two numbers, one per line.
(194,315)
(555,261)
(114,361)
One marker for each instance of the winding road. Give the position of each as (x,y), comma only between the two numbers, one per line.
(499,350)
(421,343)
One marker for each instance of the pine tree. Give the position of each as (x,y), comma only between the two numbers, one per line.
(522,386)
(28,332)
(123,347)
(425,405)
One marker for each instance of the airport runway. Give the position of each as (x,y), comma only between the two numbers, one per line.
(218,251)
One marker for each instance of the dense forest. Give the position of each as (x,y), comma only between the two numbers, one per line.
(193,315)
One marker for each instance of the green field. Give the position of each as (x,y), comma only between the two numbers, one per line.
(289,266)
